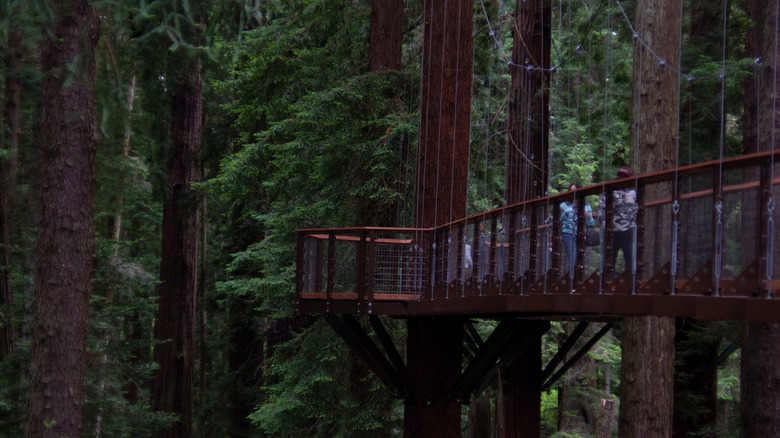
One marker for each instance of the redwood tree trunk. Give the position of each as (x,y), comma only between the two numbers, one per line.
(647,373)
(445,114)
(10,125)
(760,385)
(384,48)
(529,113)
(176,318)
(647,377)
(66,234)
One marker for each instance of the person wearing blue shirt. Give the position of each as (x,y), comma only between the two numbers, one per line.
(569,229)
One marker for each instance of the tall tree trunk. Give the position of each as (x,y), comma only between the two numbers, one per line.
(520,400)
(445,114)
(647,377)
(529,113)
(433,360)
(176,316)
(695,379)
(646,399)
(66,234)
(760,386)
(519,403)
(384,44)
(11,129)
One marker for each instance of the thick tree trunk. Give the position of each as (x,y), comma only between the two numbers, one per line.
(176,318)
(10,124)
(761,380)
(760,383)
(647,377)
(433,361)
(529,114)
(647,385)
(445,114)
(66,234)
(384,44)
(520,400)
(696,379)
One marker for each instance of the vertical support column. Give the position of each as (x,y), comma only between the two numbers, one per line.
(433,363)
(520,396)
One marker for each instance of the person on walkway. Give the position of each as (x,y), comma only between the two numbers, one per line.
(624,222)
(569,229)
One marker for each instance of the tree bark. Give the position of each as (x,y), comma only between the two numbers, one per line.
(696,379)
(66,234)
(433,361)
(520,401)
(11,129)
(445,114)
(529,113)
(176,317)
(647,377)
(760,383)
(384,44)
(646,400)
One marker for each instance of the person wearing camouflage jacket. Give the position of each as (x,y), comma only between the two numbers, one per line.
(624,221)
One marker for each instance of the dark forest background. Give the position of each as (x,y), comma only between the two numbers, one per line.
(211,131)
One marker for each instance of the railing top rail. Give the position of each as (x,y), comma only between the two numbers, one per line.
(361,229)
(594,189)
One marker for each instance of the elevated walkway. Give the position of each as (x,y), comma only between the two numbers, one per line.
(705,248)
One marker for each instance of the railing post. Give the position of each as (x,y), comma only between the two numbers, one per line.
(579,265)
(491,262)
(428,247)
(298,268)
(510,273)
(717,228)
(476,249)
(331,270)
(639,237)
(371,269)
(556,243)
(674,248)
(609,231)
(460,257)
(533,247)
(360,271)
(766,230)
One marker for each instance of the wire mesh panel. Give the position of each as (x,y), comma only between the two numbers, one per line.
(655,251)
(520,252)
(401,265)
(740,217)
(313,265)
(696,228)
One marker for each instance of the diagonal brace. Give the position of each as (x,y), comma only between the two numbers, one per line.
(350,330)
(577,356)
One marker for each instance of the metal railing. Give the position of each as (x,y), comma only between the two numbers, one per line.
(705,229)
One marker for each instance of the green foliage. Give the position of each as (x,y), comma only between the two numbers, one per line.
(310,396)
